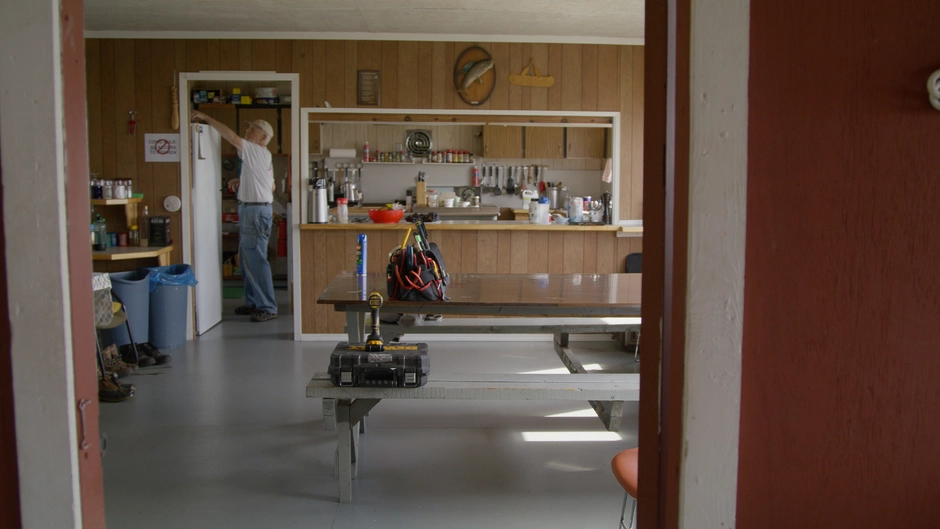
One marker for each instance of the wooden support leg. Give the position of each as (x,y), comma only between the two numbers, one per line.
(344,450)
(355,326)
(349,413)
(329,415)
(609,412)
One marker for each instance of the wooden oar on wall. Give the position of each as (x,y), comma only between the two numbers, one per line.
(524,79)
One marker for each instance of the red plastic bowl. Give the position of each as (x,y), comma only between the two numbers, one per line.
(386,216)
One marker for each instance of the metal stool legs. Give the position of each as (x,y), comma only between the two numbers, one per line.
(623,512)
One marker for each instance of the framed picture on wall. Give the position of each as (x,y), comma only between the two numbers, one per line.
(369,88)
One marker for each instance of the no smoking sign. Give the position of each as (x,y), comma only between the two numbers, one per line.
(162,147)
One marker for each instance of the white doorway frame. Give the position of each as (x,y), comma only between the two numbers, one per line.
(185,79)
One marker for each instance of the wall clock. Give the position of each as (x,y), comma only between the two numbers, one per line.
(474,75)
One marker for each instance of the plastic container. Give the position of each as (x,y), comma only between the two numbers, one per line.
(576,210)
(169,286)
(543,210)
(342,210)
(133,289)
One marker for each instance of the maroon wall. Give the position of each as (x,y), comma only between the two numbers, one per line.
(841,371)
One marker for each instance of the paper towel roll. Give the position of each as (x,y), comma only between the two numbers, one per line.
(342,153)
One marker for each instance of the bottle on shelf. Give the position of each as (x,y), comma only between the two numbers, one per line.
(365,152)
(144,228)
(101,235)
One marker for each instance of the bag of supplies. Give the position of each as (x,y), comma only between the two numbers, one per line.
(416,271)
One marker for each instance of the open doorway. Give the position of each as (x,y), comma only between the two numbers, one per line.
(209,216)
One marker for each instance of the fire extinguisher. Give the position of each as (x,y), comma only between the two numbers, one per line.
(132,123)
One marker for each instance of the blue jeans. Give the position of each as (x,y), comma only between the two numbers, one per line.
(254,229)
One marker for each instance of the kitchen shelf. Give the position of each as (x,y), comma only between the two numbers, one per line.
(389,163)
(130,207)
(239,107)
(121,253)
(231,105)
(114,201)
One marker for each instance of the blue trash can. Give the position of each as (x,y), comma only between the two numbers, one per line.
(133,289)
(169,286)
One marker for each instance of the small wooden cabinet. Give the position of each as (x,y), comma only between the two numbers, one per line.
(586,142)
(544,142)
(122,253)
(502,141)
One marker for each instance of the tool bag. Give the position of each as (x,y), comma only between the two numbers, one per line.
(416,271)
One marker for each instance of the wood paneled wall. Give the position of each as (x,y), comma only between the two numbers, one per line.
(326,253)
(138,74)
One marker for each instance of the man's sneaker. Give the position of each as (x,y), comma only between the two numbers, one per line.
(147,349)
(262,316)
(245,310)
(140,360)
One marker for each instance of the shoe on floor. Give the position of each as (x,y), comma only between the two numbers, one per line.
(113,363)
(147,349)
(140,359)
(245,310)
(262,316)
(110,390)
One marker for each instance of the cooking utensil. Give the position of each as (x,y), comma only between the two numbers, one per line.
(510,185)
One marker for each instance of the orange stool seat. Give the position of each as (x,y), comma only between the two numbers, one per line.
(625,466)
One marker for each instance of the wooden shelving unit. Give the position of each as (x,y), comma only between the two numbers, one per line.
(130,206)
(121,253)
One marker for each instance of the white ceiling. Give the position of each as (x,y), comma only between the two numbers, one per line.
(588,21)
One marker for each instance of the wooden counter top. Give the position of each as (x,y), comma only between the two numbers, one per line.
(475,225)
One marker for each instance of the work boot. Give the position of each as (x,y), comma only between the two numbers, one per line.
(140,359)
(245,310)
(147,349)
(113,363)
(110,390)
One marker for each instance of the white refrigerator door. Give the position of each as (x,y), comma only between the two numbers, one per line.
(207,225)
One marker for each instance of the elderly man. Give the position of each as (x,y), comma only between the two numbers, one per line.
(255,187)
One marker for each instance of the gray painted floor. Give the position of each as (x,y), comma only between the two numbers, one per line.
(223,437)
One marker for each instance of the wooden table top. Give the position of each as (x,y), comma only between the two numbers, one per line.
(503,294)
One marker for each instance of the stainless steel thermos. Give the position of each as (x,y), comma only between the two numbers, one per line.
(317,209)
(320,208)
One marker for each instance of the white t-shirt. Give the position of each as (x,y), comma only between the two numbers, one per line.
(257,175)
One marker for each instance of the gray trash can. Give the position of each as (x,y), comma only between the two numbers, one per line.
(132,288)
(169,286)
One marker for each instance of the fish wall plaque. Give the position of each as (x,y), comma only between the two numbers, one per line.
(474,75)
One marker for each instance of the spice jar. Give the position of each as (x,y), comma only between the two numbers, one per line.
(133,236)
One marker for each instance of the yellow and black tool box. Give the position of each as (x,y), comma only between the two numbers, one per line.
(400,365)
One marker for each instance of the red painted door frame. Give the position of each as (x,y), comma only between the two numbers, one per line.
(665,240)
(78,212)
